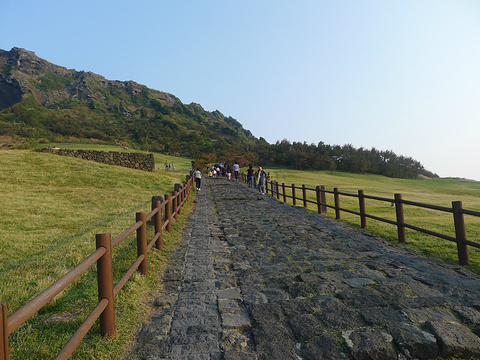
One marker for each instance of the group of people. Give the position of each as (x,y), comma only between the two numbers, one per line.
(169,166)
(224,170)
(261,175)
(221,170)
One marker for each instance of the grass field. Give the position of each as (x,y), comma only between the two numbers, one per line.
(52,207)
(429,191)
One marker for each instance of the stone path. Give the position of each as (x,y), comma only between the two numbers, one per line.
(254,278)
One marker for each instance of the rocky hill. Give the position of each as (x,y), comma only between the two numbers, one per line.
(44,102)
(41,101)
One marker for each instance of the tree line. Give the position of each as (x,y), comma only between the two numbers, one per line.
(303,156)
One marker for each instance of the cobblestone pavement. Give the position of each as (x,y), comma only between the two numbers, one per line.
(254,278)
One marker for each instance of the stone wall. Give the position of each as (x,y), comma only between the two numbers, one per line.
(137,161)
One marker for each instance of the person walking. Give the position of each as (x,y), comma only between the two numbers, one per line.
(250,175)
(262,180)
(198,178)
(236,169)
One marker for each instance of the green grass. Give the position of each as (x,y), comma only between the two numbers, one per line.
(429,191)
(52,207)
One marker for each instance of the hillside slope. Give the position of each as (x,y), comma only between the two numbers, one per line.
(39,99)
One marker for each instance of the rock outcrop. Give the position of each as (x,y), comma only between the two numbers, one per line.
(23,73)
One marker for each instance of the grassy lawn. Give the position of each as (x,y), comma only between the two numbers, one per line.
(52,207)
(436,191)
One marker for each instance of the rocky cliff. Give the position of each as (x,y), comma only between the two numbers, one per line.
(22,73)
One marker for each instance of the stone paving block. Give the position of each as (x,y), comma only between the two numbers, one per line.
(335,316)
(295,307)
(274,295)
(274,341)
(239,321)
(455,339)
(419,316)
(370,344)
(267,313)
(468,314)
(324,347)
(392,290)
(382,316)
(414,342)
(305,327)
(359,297)
(421,302)
(230,306)
(225,281)
(358,282)
(233,293)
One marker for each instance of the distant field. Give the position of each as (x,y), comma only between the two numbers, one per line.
(52,207)
(435,191)
(180,163)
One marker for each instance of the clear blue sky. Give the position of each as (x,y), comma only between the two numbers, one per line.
(401,75)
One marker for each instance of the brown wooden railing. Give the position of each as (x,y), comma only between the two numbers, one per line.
(105,309)
(279,190)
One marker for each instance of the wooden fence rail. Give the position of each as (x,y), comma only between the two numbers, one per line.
(102,256)
(458,212)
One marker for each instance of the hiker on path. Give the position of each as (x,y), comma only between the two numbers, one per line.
(236,169)
(198,178)
(229,172)
(250,175)
(262,180)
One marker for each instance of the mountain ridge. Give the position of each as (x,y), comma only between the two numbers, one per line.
(41,100)
(44,102)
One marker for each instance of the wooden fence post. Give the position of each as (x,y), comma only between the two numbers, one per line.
(157,220)
(324,199)
(168,207)
(105,285)
(278,190)
(304,192)
(178,190)
(142,242)
(361,203)
(400,218)
(319,205)
(175,203)
(3,331)
(336,196)
(460,233)
(284,195)
(180,201)
(294,198)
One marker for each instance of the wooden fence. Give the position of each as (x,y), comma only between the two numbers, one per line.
(279,191)
(105,309)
